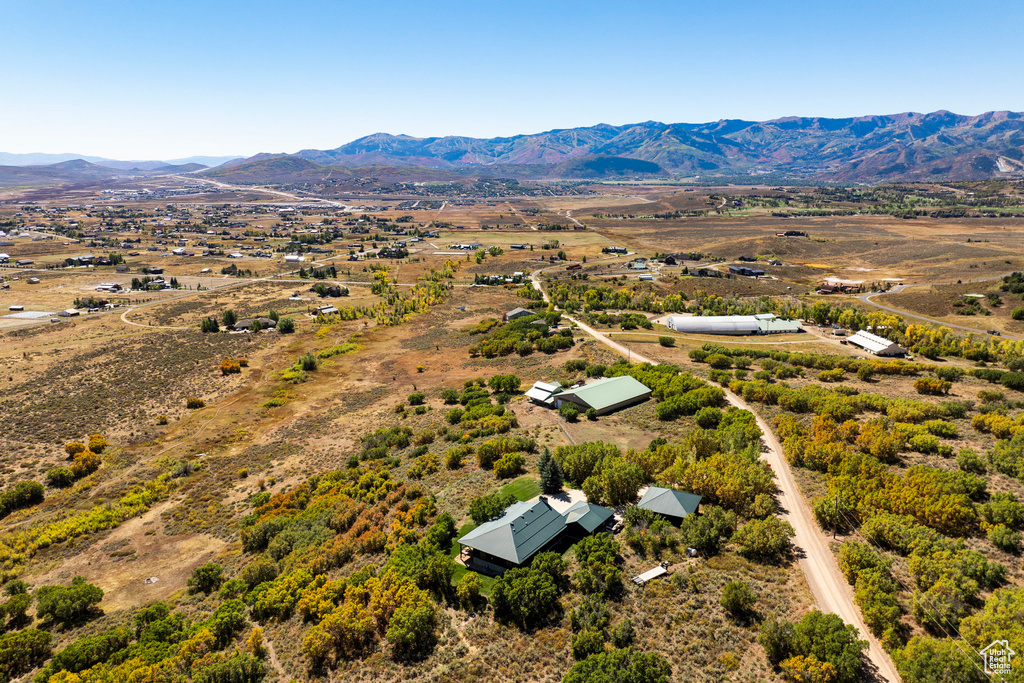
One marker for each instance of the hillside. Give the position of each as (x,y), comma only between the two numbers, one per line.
(53,174)
(907,146)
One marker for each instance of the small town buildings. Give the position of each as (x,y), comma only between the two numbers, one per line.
(294,258)
(519,246)
(646,277)
(33,281)
(880,346)
(761,323)
(326,310)
(791,233)
(4,258)
(24,262)
(747,259)
(669,503)
(614,250)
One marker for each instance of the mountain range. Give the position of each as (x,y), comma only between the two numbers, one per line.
(39,159)
(940,146)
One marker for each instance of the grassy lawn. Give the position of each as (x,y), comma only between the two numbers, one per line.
(523,488)
(485,581)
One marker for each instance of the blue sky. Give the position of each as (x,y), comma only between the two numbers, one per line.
(157,79)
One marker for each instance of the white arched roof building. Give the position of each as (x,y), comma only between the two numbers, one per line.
(762,323)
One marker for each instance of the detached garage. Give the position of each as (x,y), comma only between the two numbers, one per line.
(669,503)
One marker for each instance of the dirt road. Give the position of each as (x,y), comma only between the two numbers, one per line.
(829,588)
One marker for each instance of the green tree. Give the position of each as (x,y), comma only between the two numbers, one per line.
(707,532)
(468,591)
(412,629)
(227,621)
(206,578)
(620,666)
(551,479)
(826,638)
(286,325)
(484,508)
(229,318)
(22,651)
(937,660)
(737,598)
(598,571)
(620,481)
(67,604)
(623,634)
(525,596)
(587,642)
(764,539)
(776,637)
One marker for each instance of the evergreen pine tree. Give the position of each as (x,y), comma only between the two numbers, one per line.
(550,473)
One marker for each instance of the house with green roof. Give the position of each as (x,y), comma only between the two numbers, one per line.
(605,395)
(669,503)
(527,528)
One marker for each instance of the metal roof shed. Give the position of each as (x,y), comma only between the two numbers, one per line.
(542,392)
(517,535)
(670,503)
(606,395)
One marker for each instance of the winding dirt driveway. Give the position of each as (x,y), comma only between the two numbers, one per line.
(830,590)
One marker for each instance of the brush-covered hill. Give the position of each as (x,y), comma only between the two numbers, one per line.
(907,146)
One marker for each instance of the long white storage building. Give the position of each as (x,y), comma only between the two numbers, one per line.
(880,346)
(762,323)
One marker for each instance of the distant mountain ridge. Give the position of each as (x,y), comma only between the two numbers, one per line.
(40,159)
(940,146)
(79,170)
(907,146)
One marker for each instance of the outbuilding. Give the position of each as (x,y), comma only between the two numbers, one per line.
(761,323)
(880,346)
(518,312)
(605,395)
(669,503)
(543,393)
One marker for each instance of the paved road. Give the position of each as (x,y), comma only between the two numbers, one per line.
(869,299)
(829,588)
(257,188)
